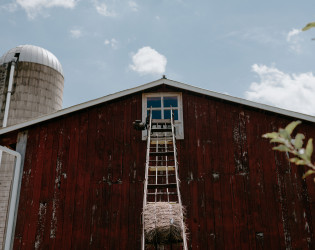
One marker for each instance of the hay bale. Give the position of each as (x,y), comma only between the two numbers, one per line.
(162,223)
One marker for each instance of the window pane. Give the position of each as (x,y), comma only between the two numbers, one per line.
(170,101)
(156,114)
(167,114)
(154,102)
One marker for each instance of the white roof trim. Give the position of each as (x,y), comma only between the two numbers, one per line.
(151,85)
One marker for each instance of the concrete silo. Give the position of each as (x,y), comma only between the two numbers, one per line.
(31,85)
(37,83)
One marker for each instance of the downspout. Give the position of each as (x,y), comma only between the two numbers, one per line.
(8,243)
(8,99)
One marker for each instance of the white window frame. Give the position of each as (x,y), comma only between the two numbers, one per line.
(179,124)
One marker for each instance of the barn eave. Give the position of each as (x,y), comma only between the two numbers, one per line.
(153,84)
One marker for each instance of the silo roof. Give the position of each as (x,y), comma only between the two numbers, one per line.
(35,54)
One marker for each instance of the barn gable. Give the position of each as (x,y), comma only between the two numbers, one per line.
(153,85)
(82,183)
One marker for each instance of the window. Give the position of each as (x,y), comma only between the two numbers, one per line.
(162,104)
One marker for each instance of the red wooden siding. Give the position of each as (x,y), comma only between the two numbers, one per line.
(239,193)
(83,176)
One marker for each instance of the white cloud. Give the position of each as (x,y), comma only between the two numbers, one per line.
(148,61)
(76,33)
(102,9)
(289,91)
(293,33)
(11,7)
(112,42)
(133,5)
(35,7)
(294,40)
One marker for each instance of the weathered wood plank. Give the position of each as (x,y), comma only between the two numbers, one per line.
(70,178)
(256,184)
(48,182)
(77,240)
(25,207)
(89,205)
(60,185)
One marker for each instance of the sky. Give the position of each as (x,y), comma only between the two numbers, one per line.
(249,49)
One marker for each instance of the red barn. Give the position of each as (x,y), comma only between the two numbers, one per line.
(81,184)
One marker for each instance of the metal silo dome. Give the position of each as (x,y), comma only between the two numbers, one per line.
(35,54)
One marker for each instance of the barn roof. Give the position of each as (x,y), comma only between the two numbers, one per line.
(151,85)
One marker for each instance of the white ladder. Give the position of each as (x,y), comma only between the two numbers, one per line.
(161,169)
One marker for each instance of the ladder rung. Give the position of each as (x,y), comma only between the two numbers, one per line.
(160,175)
(160,137)
(163,160)
(161,153)
(161,168)
(159,193)
(161,142)
(161,147)
(159,186)
(154,130)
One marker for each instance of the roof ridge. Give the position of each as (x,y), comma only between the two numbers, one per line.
(149,85)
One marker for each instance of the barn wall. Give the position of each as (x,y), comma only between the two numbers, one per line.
(239,193)
(83,180)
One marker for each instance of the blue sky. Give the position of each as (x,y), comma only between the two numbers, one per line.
(249,49)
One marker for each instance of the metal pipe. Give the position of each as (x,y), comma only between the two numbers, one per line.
(8,244)
(8,99)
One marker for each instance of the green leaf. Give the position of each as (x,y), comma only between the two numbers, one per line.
(297,161)
(300,162)
(277,140)
(294,160)
(308,26)
(309,149)
(304,157)
(281,148)
(298,141)
(291,126)
(284,134)
(271,135)
(309,172)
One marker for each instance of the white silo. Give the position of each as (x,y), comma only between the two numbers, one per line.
(37,81)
